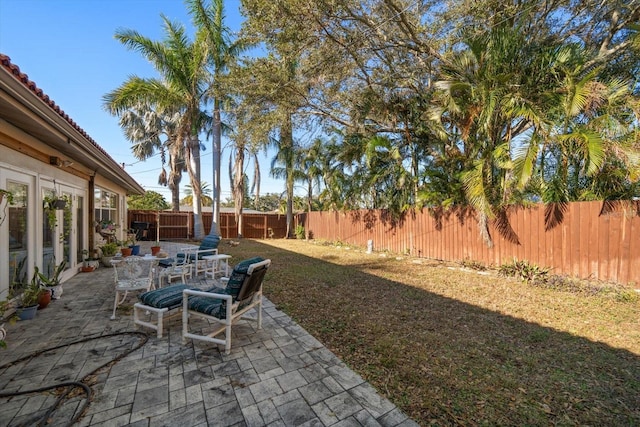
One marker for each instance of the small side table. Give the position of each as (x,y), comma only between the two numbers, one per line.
(218,262)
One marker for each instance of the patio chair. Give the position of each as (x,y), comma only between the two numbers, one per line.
(208,246)
(180,267)
(162,303)
(242,293)
(132,273)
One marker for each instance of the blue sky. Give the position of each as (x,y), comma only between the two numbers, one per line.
(67,47)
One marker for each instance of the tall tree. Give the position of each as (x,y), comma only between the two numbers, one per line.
(242,148)
(204,190)
(313,169)
(181,87)
(145,128)
(275,90)
(221,52)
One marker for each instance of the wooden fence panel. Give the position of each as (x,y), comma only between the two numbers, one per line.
(584,244)
(179,225)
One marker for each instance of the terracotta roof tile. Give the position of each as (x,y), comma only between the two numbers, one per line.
(5,61)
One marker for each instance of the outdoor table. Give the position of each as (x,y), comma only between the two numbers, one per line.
(217,263)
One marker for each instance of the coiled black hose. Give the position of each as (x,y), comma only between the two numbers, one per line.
(71,385)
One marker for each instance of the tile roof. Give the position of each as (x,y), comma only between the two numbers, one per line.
(14,70)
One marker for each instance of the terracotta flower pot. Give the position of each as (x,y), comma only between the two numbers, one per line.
(155,250)
(44,299)
(125,252)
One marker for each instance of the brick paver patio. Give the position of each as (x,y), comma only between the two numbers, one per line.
(277,376)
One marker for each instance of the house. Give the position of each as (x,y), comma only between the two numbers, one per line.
(45,155)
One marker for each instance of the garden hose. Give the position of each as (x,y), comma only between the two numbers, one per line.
(71,385)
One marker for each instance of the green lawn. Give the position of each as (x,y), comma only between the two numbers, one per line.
(450,346)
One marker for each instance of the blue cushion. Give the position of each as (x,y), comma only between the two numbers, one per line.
(169,297)
(218,308)
(209,306)
(211,241)
(215,290)
(238,275)
(165,262)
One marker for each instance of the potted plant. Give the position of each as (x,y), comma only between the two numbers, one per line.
(125,249)
(133,243)
(28,305)
(54,202)
(45,298)
(53,281)
(88,263)
(155,248)
(107,230)
(108,252)
(7,309)
(5,194)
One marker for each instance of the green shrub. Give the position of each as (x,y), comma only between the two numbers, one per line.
(525,271)
(473,265)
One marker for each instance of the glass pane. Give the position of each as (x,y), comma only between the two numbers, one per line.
(49,219)
(66,230)
(18,237)
(96,200)
(80,229)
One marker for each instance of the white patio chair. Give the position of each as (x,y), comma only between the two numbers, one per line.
(181,267)
(208,246)
(132,273)
(243,292)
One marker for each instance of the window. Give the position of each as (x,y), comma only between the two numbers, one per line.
(106,206)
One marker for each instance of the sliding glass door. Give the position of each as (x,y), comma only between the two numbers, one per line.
(17,234)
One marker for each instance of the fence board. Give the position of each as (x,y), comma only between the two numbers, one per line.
(634,252)
(179,225)
(625,247)
(614,244)
(585,244)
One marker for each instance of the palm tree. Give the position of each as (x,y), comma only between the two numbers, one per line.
(144,127)
(204,190)
(311,164)
(237,175)
(283,166)
(220,53)
(580,149)
(486,101)
(181,88)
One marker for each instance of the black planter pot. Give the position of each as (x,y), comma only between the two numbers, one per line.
(59,204)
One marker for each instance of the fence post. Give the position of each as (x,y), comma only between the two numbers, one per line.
(189,225)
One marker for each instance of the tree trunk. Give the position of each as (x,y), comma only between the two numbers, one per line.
(287,141)
(238,186)
(217,152)
(309,203)
(194,173)
(175,176)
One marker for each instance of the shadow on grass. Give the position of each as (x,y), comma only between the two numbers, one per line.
(444,361)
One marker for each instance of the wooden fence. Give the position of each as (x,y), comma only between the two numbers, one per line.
(586,243)
(179,225)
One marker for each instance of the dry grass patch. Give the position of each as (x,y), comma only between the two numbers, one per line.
(451,346)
